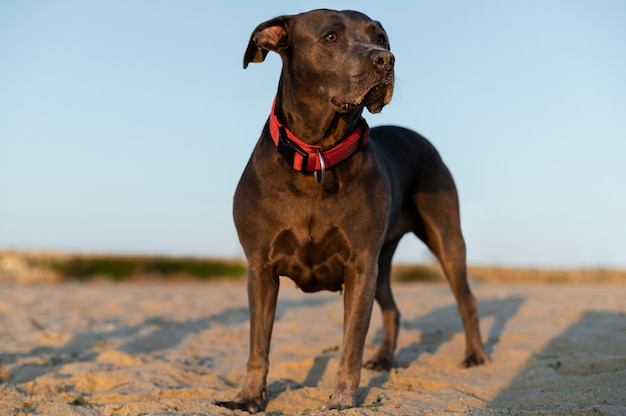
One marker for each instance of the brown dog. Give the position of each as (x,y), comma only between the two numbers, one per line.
(325,201)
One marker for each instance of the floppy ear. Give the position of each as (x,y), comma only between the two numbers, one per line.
(268,36)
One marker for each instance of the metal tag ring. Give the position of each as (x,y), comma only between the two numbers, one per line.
(322,172)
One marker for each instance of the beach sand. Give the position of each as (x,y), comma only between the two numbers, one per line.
(175,348)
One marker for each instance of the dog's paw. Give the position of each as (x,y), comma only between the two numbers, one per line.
(475,358)
(250,406)
(378,364)
(340,400)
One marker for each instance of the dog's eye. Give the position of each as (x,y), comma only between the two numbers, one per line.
(331,37)
(381,40)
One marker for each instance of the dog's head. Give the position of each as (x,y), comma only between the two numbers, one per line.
(339,57)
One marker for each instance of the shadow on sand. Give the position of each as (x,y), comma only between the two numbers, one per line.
(436,327)
(580,372)
(154,334)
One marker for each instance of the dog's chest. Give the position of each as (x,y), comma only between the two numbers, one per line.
(313,260)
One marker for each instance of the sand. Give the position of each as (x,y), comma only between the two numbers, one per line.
(175,348)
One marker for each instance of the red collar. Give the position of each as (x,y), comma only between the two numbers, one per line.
(305,157)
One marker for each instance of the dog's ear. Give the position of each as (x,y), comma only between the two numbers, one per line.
(268,36)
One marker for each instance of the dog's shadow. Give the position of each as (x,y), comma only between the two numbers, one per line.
(440,325)
(151,336)
(437,327)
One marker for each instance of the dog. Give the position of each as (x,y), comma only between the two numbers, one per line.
(324,200)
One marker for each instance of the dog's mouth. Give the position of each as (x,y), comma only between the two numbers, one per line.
(374,99)
(379,96)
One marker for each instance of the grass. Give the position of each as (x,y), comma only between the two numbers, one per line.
(59,267)
(417,273)
(125,268)
(489,274)
(544,275)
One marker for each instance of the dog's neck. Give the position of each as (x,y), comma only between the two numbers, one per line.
(313,122)
(305,157)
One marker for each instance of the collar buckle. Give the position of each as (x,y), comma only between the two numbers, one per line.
(288,148)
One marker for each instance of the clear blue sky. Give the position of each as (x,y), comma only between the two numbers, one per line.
(124,126)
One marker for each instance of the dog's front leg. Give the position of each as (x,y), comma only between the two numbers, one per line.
(358,301)
(262,295)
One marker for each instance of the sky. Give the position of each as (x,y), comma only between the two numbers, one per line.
(124,126)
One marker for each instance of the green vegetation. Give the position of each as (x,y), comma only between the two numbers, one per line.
(417,273)
(557,365)
(123,268)
(36,267)
(79,401)
(376,404)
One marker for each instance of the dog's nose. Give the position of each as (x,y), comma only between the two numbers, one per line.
(383,59)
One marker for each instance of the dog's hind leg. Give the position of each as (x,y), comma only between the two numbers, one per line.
(383,357)
(441,231)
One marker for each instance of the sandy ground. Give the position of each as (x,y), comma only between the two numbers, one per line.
(174,349)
